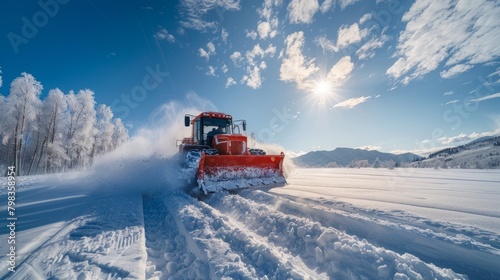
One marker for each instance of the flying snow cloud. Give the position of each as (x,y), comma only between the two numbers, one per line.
(149,153)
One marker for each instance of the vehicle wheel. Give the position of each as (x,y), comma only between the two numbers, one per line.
(257,152)
(211,152)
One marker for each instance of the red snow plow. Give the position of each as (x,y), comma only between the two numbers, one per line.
(221,157)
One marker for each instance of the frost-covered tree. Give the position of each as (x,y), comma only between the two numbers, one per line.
(389,164)
(23,106)
(58,133)
(3,125)
(359,163)
(81,127)
(120,133)
(54,118)
(103,139)
(37,133)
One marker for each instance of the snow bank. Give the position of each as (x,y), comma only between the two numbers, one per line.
(339,255)
(228,250)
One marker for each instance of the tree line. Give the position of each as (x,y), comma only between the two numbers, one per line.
(59,133)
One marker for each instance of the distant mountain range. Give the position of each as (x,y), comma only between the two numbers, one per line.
(350,157)
(480,153)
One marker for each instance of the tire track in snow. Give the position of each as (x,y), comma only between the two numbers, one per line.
(168,253)
(104,242)
(440,244)
(229,248)
(340,255)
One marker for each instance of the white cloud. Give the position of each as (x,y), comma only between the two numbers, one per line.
(230,82)
(453,32)
(266,11)
(452,102)
(253,78)
(268,27)
(257,51)
(295,67)
(211,48)
(224,68)
(163,34)
(350,35)
(194,11)
(264,29)
(224,34)
(351,103)
(326,5)
(496,73)
(203,53)
(370,148)
(211,71)
(448,93)
(496,95)
(463,137)
(302,11)
(340,71)
(455,70)
(365,18)
(251,34)
(237,58)
(326,44)
(368,49)
(207,53)
(344,3)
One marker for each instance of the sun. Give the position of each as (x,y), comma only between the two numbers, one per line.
(322,88)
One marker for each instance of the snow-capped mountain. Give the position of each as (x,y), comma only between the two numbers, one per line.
(480,153)
(353,157)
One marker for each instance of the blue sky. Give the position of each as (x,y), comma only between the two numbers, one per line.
(308,75)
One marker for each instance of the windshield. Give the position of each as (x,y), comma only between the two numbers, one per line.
(220,126)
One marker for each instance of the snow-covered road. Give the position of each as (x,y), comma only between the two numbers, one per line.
(325,224)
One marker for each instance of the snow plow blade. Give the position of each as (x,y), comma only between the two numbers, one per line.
(229,172)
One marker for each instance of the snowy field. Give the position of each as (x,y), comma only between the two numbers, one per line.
(135,221)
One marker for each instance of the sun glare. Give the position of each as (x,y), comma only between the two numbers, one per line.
(322,88)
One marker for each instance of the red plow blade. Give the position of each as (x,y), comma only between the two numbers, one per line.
(228,172)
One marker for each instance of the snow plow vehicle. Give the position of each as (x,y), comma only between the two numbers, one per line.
(221,156)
